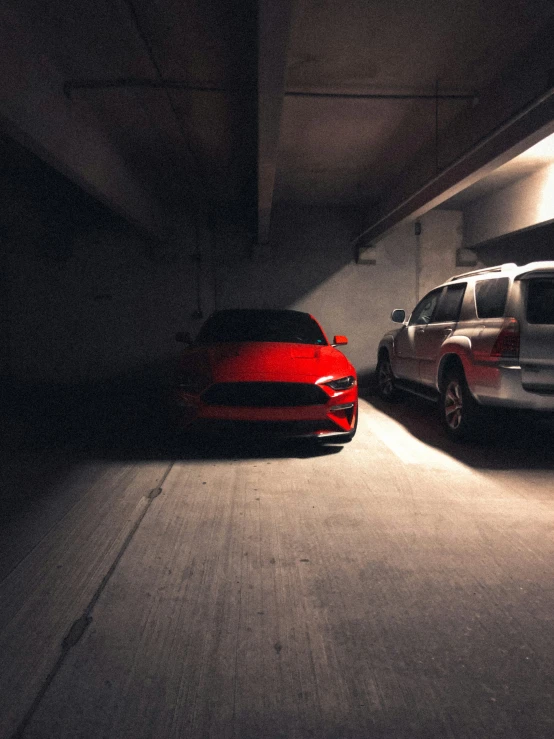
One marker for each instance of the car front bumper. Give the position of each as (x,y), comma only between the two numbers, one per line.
(334,418)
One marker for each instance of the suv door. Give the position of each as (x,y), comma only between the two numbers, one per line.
(430,339)
(407,343)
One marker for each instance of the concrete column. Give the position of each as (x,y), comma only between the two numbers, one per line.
(441,235)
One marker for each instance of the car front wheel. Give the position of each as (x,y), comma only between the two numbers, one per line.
(461,414)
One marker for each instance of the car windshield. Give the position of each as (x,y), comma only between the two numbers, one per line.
(261,325)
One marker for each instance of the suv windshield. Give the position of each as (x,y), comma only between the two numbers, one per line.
(261,325)
(540,301)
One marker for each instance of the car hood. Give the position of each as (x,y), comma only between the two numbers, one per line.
(267,361)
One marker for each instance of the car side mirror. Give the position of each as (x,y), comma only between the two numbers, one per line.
(339,340)
(183,337)
(398,315)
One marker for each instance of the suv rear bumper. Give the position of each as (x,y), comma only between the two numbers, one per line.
(502,387)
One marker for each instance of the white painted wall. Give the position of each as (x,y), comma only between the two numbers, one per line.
(311,267)
(113,307)
(525,203)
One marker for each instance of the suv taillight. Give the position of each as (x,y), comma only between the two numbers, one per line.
(507,341)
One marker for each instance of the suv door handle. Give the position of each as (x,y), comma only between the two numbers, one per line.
(447,331)
(419,330)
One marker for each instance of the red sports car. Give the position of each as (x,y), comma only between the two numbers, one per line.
(269,370)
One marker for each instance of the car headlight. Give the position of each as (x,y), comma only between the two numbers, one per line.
(343,384)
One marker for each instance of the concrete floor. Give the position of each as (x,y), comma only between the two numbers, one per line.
(399,586)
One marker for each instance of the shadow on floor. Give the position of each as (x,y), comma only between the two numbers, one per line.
(512,441)
(126,424)
(47,430)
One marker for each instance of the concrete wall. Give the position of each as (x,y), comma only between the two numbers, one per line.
(4,315)
(526,203)
(112,307)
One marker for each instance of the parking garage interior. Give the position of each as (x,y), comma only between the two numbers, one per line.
(163,161)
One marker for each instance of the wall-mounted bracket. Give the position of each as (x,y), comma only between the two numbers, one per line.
(466,257)
(365,254)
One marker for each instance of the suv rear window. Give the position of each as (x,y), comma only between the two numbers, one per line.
(490,297)
(540,301)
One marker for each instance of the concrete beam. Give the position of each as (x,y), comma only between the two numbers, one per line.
(273,32)
(35,112)
(527,203)
(514,112)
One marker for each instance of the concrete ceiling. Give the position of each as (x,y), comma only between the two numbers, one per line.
(222,109)
(353,148)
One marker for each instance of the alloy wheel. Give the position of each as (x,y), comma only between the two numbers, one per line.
(453,404)
(385,379)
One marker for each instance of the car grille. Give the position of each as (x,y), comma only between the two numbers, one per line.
(264,394)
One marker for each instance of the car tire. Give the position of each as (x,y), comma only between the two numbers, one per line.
(461,415)
(386,381)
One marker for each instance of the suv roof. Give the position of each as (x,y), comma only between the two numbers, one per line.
(510,267)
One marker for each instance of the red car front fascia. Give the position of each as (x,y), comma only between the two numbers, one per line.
(331,409)
(339,409)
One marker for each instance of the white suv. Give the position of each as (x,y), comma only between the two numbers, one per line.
(483,339)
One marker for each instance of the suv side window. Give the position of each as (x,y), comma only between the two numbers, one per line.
(540,301)
(423,312)
(450,303)
(490,297)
